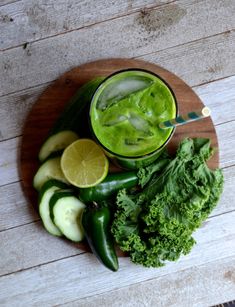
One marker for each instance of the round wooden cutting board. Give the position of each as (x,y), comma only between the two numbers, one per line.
(51,103)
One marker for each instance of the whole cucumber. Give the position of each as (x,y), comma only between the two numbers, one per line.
(73,121)
(72,118)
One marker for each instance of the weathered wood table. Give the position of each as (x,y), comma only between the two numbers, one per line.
(39,41)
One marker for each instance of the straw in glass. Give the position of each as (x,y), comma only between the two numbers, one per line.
(186,118)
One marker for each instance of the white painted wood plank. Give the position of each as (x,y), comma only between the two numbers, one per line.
(226,138)
(82,276)
(219,96)
(226,202)
(128,36)
(199,286)
(14,208)
(200,61)
(8,161)
(27,21)
(9,150)
(5,2)
(14,109)
(31,245)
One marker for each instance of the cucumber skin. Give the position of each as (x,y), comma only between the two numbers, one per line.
(51,183)
(72,118)
(54,154)
(45,213)
(42,167)
(57,195)
(47,186)
(47,151)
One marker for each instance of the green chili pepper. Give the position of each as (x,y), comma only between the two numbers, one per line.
(96,223)
(111,184)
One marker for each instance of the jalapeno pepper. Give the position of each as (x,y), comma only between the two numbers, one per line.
(111,184)
(96,223)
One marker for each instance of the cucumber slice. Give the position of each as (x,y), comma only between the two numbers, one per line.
(57,142)
(45,195)
(55,154)
(50,169)
(66,211)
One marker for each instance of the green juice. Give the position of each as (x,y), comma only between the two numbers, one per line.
(126,110)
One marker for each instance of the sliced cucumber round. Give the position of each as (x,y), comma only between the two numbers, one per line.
(57,142)
(50,169)
(66,212)
(45,195)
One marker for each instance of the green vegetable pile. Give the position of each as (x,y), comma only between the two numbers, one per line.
(156,224)
(151,212)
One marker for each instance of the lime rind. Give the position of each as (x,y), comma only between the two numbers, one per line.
(84,164)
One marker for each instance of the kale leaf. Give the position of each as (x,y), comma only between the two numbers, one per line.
(156,224)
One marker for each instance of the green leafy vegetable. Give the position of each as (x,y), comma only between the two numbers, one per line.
(156,224)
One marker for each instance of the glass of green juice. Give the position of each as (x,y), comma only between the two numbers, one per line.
(124,115)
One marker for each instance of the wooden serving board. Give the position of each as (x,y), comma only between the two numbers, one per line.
(52,102)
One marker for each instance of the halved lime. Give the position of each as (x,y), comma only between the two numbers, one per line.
(84,163)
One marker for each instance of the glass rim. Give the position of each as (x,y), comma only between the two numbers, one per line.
(116,155)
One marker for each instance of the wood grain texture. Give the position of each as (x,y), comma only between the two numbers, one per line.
(128,36)
(27,21)
(43,285)
(6,2)
(51,103)
(199,61)
(13,111)
(184,288)
(9,161)
(226,136)
(14,107)
(15,210)
(36,247)
(217,95)
(226,202)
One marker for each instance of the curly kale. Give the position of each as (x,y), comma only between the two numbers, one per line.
(156,225)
